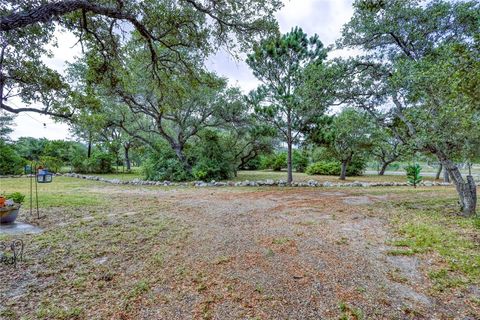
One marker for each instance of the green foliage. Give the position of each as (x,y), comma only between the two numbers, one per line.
(30,148)
(324,168)
(413,174)
(159,167)
(213,160)
(53,164)
(6,123)
(10,161)
(279,63)
(99,162)
(17,197)
(275,162)
(300,160)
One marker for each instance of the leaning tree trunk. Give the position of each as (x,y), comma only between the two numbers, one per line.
(467,190)
(383,168)
(343,172)
(439,171)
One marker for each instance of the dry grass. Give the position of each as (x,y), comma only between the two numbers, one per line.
(241,253)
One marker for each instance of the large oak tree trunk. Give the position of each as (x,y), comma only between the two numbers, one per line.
(467,190)
(343,172)
(383,168)
(179,152)
(439,171)
(127,158)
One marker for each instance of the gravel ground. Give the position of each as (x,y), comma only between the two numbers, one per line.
(235,254)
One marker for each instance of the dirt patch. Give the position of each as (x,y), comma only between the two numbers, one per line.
(221,254)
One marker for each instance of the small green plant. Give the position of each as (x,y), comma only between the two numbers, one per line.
(17,197)
(413,174)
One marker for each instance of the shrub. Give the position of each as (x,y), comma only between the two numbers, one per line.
(279,161)
(99,162)
(356,167)
(300,160)
(212,158)
(10,161)
(160,167)
(326,168)
(413,174)
(53,164)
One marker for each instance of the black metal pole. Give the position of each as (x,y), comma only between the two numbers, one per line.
(36,192)
(31,190)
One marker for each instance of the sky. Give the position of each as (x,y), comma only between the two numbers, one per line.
(323,17)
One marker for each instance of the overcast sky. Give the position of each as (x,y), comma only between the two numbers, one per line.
(323,17)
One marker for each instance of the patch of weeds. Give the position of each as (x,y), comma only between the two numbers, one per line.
(141,287)
(443,280)
(158,259)
(181,271)
(49,311)
(396,276)
(79,282)
(201,287)
(269,253)
(8,314)
(341,241)
(476,223)
(475,300)
(222,260)
(349,312)
(259,288)
(281,240)
(361,290)
(400,252)
(431,225)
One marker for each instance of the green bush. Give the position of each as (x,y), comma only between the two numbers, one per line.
(53,164)
(161,167)
(212,158)
(10,161)
(326,168)
(300,160)
(99,162)
(275,162)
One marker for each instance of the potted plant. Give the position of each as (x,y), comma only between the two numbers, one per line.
(12,204)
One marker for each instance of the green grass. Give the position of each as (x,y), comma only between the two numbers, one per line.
(298,176)
(62,192)
(430,226)
(255,175)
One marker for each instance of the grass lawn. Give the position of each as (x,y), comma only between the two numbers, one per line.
(138,252)
(256,175)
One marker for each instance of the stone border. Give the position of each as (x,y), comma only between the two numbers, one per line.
(246,183)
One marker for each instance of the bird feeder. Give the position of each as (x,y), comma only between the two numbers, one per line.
(44,176)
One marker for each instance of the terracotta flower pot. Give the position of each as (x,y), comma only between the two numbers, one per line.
(2,201)
(9,214)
